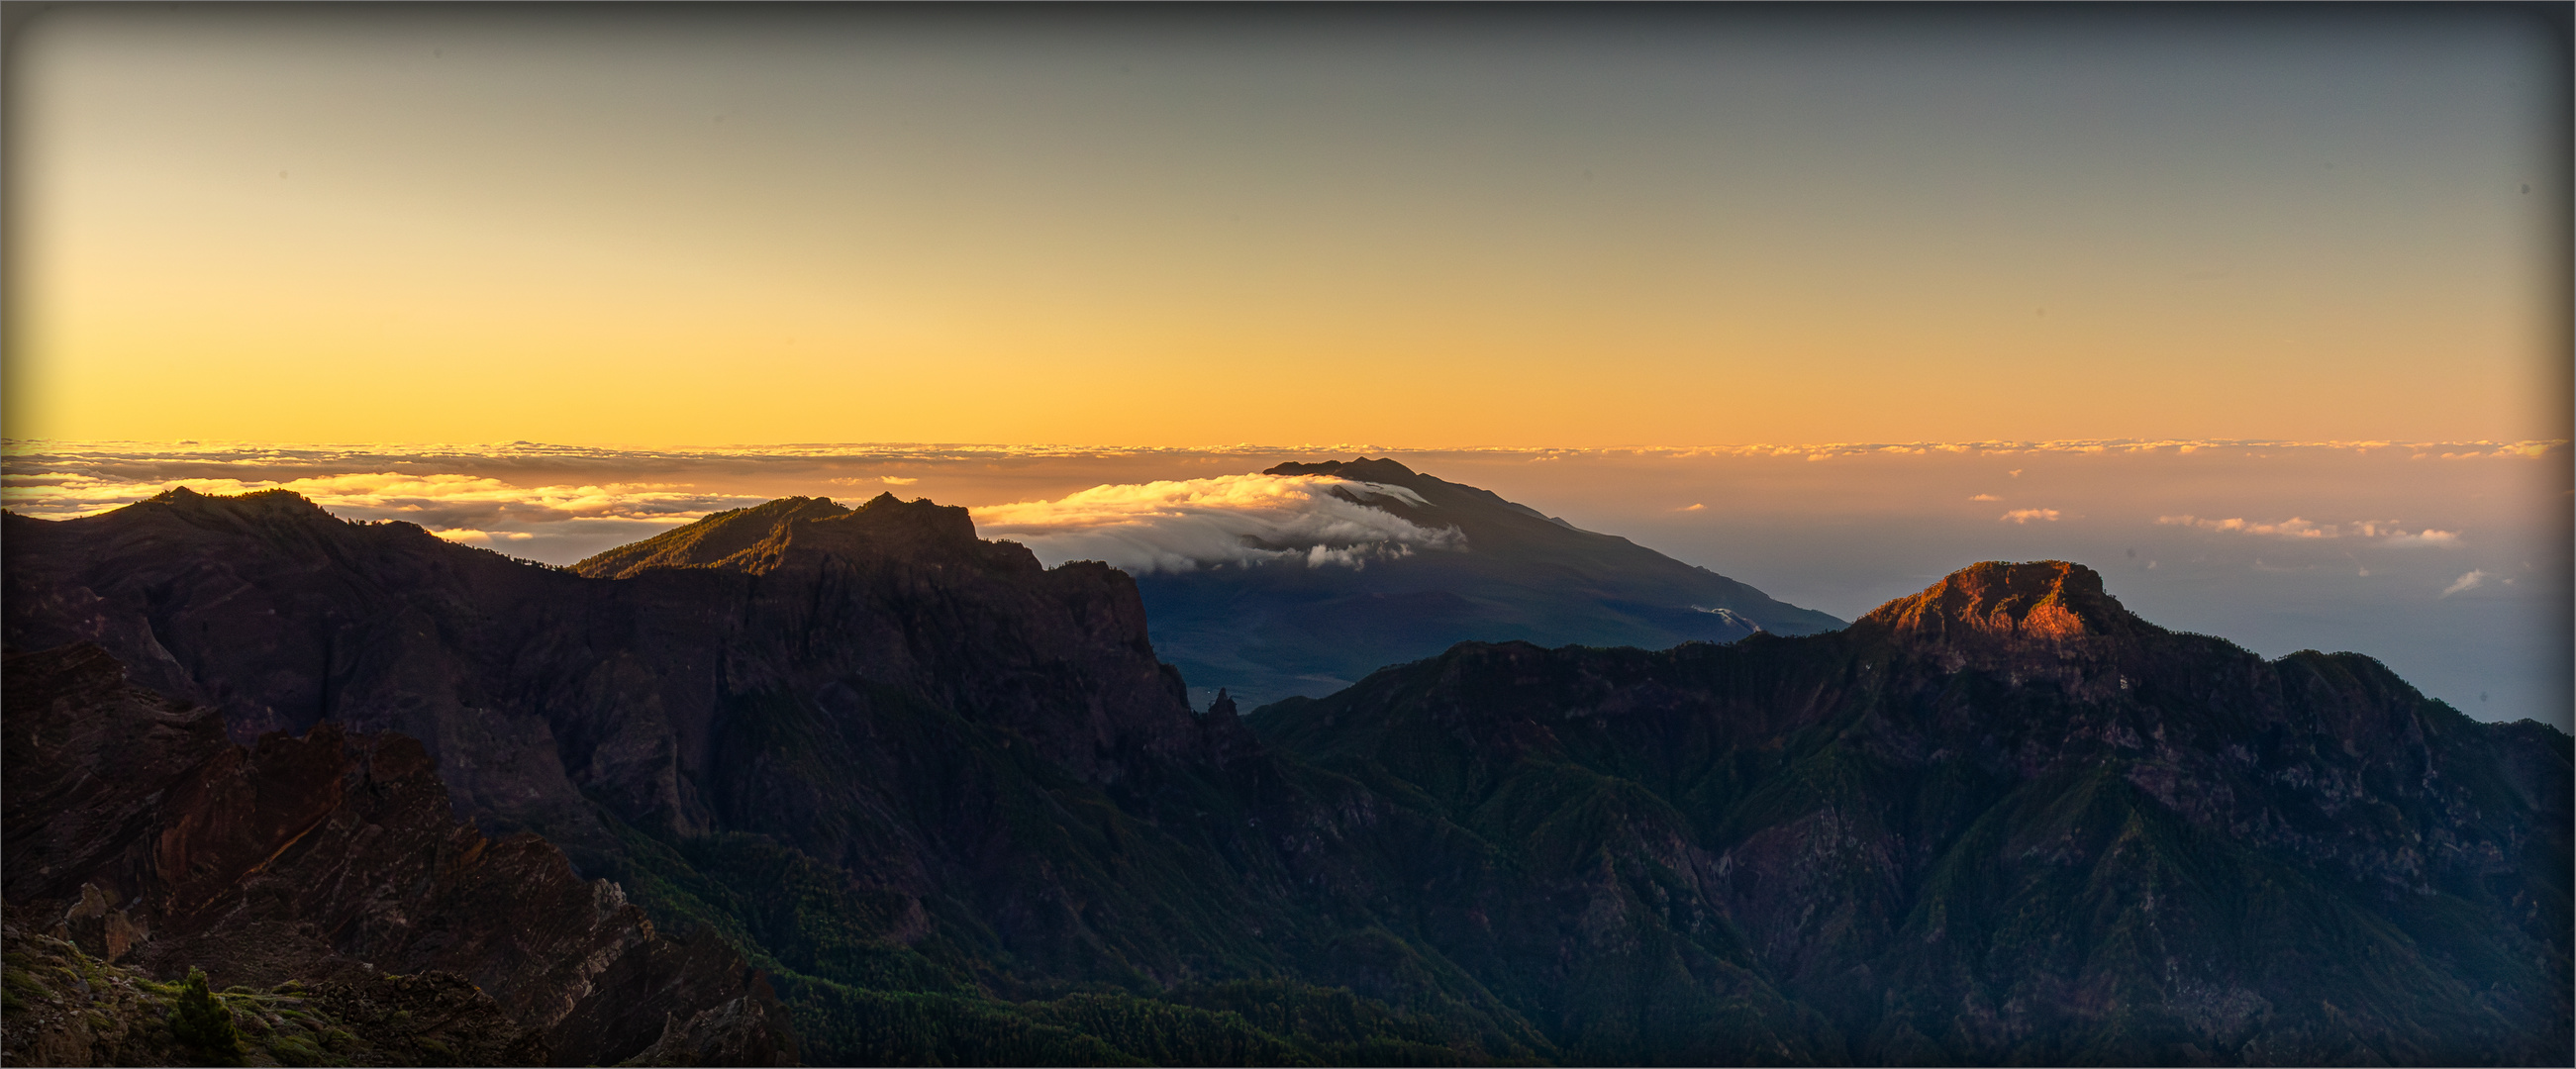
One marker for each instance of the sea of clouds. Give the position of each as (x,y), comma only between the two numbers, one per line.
(1185,525)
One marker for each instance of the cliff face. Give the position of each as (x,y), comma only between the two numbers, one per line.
(1995,606)
(2001,820)
(149,840)
(534,687)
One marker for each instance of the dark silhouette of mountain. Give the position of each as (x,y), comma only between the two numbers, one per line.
(2001,821)
(1281,628)
(927,784)
(950,802)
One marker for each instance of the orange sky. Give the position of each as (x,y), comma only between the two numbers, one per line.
(612,227)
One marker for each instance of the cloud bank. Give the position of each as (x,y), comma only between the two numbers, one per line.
(465,508)
(1186,525)
(2386,533)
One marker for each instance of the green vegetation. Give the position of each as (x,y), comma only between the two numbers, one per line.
(201,1022)
(862,996)
(1684,887)
(65,1001)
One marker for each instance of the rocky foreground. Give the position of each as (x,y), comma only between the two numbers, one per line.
(325,883)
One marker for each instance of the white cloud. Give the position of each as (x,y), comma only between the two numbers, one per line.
(2294,527)
(2426,537)
(470,535)
(2027,515)
(2386,532)
(2471,581)
(1985,497)
(1185,525)
(1694,507)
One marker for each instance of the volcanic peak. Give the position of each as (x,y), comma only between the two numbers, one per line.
(2050,600)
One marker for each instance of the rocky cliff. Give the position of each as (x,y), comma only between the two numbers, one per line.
(138,833)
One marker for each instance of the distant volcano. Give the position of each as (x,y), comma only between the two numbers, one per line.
(1271,628)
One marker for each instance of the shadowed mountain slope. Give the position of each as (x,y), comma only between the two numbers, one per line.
(334,858)
(2003,820)
(950,800)
(881,756)
(1282,628)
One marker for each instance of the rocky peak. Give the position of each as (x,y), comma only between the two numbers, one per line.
(2050,600)
(711,541)
(885,525)
(1363,469)
(760,538)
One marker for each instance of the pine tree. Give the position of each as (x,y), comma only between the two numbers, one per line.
(201,1022)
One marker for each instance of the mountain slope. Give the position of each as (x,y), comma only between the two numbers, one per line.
(951,802)
(872,751)
(1284,628)
(2005,820)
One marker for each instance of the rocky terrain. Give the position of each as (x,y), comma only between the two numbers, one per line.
(138,834)
(65,1007)
(2003,820)
(953,807)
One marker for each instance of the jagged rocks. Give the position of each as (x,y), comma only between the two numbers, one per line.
(331,859)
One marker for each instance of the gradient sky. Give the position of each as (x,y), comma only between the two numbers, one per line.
(687,225)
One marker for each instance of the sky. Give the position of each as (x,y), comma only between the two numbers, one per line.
(699,225)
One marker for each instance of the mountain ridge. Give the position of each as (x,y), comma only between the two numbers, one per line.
(953,804)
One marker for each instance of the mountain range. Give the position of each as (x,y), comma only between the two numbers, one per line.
(1281,628)
(949,806)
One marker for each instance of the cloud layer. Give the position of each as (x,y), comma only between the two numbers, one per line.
(466,508)
(2380,532)
(1185,525)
